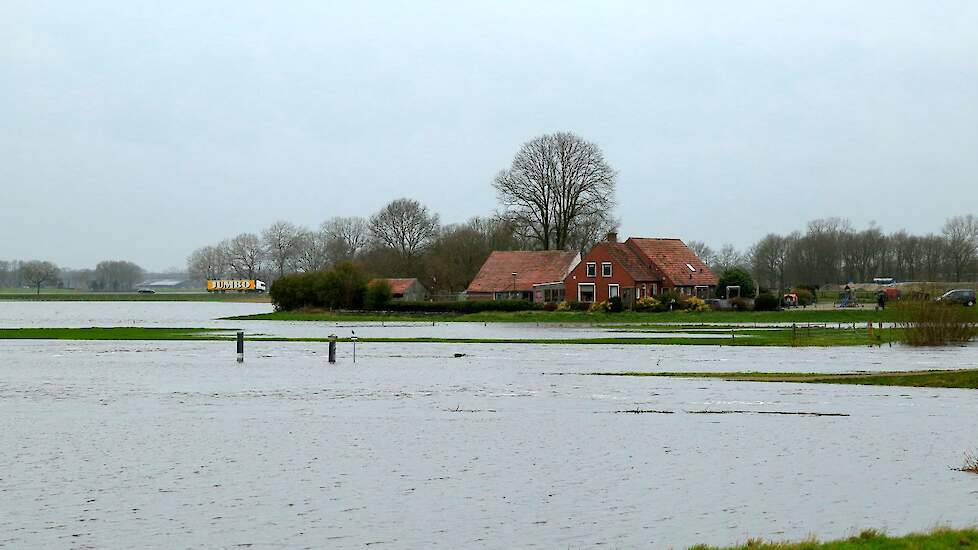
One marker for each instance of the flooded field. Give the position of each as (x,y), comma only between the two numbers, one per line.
(173,444)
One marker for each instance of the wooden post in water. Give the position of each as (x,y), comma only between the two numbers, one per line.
(241,346)
(332,348)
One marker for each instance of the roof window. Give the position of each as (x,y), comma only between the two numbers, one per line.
(691,268)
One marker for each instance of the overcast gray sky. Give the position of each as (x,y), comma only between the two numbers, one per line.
(142,130)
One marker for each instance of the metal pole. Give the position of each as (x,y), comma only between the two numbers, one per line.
(354,340)
(241,346)
(332,348)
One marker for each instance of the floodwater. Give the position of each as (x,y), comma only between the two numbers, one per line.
(173,444)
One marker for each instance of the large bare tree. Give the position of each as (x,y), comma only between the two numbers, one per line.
(346,237)
(244,255)
(961,244)
(406,226)
(556,185)
(282,240)
(37,273)
(207,262)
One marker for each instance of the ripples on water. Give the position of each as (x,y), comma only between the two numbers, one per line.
(172,444)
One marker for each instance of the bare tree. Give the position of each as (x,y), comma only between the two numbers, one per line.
(116,275)
(207,262)
(557,184)
(960,244)
(37,273)
(702,251)
(312,251)
(347,236)
(769,259)
(245,255)
(281,240)
(406,226)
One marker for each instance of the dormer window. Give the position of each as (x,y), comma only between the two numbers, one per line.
(592,269)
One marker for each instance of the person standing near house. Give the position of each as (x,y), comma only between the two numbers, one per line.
(881,300)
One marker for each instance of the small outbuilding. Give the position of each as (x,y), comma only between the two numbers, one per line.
(407,289)
(534,275)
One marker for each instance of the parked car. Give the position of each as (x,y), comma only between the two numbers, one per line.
(146,291)
(963,296)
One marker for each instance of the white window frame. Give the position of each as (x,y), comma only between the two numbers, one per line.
(604,265)
(591,269)
(594,292)
(617,290)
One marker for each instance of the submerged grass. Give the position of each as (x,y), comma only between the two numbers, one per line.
(870,539)
(965,378)
(744,337)
(583,317)
(929,323)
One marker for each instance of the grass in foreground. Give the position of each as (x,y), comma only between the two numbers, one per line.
(966,378)
(871,539)
(745,337)
(572,317)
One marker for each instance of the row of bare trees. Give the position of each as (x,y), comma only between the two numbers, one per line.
(402,239)
(831,251)
(109,275)
(558,193)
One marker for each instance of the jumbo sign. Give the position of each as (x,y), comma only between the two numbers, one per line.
(230,284)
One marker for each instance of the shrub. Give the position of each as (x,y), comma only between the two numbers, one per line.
(615,305)
(805,296)
(598,306)
(812,290)
(766,302)
(735,276)
(378,295)
(695,304)
(739,304)
(648,303)
(579,306)
(668,297)
(563,306)
(929,323)
(342,286)
(550,306)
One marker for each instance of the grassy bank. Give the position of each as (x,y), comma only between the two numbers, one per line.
(573,317)
(74,296)
(918,379)
(742,337)
(938,539)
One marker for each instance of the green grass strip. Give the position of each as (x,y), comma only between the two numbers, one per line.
(781,337)
(938,539)
(964,378)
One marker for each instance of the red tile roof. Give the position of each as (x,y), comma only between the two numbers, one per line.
(399,286)
(635,265)
(531,268)
(671,257)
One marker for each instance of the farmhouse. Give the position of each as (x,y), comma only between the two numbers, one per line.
(637,268)
(407,290)
(523,275)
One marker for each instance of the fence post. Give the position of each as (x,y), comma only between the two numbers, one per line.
(332,348)
(241,346)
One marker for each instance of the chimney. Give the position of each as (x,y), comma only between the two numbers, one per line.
(612,237)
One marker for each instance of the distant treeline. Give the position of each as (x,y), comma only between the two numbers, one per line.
(109,275)
(831,251)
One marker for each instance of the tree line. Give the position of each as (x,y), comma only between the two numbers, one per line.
(108,275)
(832,251)
(558,193)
